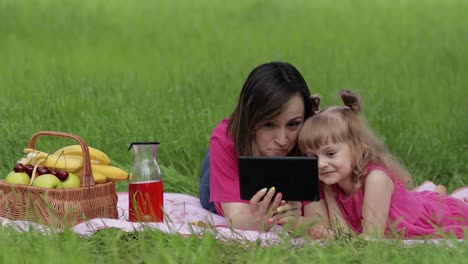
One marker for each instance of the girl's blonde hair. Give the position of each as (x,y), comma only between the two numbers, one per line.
(343,124)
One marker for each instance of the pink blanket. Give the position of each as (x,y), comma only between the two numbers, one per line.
(185,216)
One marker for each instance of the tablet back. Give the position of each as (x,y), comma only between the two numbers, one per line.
(295,177)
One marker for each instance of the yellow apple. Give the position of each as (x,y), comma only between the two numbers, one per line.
(47,181)
(72,181)
(18,178)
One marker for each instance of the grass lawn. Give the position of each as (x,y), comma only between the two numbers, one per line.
(119,71)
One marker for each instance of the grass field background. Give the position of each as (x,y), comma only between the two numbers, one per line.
(114,72)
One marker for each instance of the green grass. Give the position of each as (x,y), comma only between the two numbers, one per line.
(119,71)
(115,246)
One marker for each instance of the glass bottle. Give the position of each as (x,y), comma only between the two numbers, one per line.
(145,190)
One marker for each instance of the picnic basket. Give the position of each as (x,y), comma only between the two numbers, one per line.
(60,207)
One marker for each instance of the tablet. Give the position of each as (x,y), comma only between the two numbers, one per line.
(295,177)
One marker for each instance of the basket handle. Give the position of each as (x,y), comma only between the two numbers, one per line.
(87,180)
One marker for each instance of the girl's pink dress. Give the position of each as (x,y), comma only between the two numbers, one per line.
(412,213)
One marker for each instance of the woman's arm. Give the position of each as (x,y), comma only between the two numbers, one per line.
(377,197)
(224,186)
(255,215)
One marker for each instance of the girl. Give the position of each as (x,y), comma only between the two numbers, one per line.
(364,186)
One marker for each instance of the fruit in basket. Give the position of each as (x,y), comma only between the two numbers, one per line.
(95,155)
(72,181)
(63,163)
(47,181)
(62,175)
(60,162)
(54,172)
(97,177)
(19,167)
(106,173)
(69,159)
(42,170)
(112,173)
(17,178)
(28,169)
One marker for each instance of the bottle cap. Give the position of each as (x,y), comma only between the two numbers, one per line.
(143,143)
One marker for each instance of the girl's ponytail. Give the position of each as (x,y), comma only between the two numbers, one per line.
(315,103)
(351,100)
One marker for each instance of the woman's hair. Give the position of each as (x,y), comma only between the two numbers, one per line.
(267,89)
(343,124)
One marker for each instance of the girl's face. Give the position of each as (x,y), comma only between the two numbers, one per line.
(279,136)
(335,164)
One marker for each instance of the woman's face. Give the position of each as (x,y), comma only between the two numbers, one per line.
(278,137)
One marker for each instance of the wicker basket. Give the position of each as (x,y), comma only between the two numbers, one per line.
(59,207)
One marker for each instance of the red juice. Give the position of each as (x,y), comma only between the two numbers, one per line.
(145,201)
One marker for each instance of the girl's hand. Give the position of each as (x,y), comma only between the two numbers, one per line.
(264,209)
(321,232)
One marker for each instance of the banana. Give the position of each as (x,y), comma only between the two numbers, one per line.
(67,163)
(112,173)
(97,177)
(23,161)
(75,150)
(74,164)
(33,156)
(60,162)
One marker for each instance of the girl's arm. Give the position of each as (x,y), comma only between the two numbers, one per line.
(377,197)
(337,220)
(316,219)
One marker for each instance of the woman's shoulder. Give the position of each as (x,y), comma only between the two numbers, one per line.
(221,129)
(221,136)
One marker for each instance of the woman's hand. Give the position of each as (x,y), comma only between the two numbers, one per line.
(255,214)
(264,205)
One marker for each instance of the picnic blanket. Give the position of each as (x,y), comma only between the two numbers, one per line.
(185,216)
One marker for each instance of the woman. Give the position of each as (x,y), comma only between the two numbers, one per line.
(273,104)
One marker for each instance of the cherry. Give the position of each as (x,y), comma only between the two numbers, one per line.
(19,167)
(62,175)
(28,169)
(42,170)
(54,172)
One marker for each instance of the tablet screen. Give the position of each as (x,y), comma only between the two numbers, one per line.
(295,177)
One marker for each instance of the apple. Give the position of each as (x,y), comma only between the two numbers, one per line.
(18,178)
(72,181)
(47,181)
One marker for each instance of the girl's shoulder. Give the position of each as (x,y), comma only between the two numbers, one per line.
(372,167)
(375,167)
(378,179)
(379,171)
